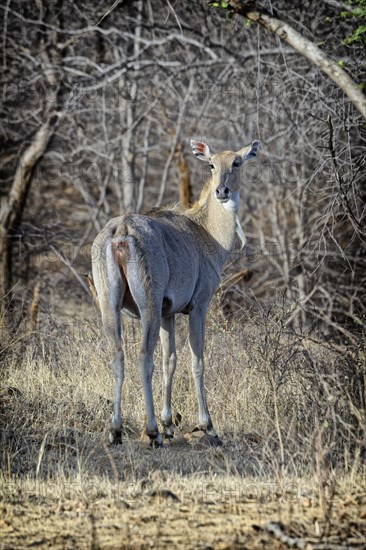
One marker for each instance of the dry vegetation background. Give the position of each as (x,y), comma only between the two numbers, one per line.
(117,100)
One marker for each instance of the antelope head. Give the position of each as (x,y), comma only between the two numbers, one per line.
(225,168)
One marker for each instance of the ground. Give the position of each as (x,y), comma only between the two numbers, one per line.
(290,472)
(168,509)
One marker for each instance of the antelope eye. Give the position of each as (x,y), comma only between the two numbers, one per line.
(211,166)
(237,163)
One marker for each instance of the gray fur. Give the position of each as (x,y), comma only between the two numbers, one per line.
(155,265)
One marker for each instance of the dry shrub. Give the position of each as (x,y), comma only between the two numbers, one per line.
(287,387)
(275,397)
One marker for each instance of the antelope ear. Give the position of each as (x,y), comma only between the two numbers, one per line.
(250,151)
(201,150)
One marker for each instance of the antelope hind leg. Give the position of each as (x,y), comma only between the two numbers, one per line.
(167,338)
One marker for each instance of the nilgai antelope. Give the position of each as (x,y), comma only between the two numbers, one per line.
(167,261)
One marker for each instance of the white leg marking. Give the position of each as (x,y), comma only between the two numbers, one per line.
(167,338)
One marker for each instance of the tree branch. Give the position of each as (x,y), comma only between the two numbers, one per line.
(304,46)
(27,161)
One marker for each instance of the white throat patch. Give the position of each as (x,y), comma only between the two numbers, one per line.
(232,204)
(239,231)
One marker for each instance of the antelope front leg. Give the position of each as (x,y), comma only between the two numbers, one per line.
(167,338)
(196,343)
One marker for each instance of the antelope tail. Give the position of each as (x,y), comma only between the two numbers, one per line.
(92,288)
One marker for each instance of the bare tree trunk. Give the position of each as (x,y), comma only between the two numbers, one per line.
(128,154)
(185,188)
(4,266)
(12,207)
(307,48)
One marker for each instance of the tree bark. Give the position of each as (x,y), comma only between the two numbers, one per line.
(12,206)
(307,48)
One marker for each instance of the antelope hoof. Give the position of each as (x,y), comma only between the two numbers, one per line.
(152,439)
(115,437)
(156,441)
(168,431)
(201,435)
(210,431)
(216,441)
(207,429)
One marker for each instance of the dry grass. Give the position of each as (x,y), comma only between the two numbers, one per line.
(290,413)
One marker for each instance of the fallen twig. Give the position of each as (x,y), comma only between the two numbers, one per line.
(277,530)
